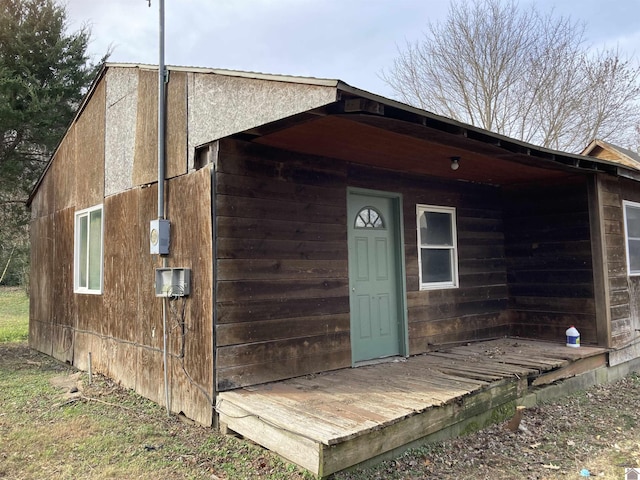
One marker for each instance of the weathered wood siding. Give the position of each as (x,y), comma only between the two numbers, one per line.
(623,289)
(74,182)
(282,291)
(548,246)
(477,308)
(122,327)
(189,208)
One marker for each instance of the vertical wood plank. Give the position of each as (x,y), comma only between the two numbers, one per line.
(600,264)
(90,138)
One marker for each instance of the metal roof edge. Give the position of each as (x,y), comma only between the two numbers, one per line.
(322,82)
(629,173)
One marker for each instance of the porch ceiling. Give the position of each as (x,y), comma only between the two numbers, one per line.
(400,145)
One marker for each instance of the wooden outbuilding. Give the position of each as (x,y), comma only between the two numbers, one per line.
(322,228)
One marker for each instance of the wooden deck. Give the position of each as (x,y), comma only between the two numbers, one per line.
(331,421)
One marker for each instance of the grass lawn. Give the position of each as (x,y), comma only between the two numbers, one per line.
(103,431)
(14,314)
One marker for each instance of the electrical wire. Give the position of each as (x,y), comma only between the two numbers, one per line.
(177,310)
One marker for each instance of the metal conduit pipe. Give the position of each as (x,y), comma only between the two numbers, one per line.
(161,175)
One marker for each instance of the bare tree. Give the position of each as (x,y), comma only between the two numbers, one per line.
(519,73)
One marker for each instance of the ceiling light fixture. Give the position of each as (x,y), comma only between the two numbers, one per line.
(455,163)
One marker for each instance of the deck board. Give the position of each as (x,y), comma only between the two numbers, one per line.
(334,412)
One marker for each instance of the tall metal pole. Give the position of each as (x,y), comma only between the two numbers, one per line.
(161,175)
(161,115)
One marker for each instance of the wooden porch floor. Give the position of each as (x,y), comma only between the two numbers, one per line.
(331,421)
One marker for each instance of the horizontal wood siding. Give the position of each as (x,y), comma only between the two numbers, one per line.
(624,289)
(548,245)
(282,291)
(478,308)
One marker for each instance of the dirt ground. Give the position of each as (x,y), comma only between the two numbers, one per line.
(591,433)
(594,433)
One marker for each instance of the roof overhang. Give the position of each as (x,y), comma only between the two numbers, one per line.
(367,129)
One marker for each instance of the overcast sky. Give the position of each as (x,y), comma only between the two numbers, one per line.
(350,40)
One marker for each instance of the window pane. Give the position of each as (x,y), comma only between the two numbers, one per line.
(634,256)
(83,230)
(95,244)
(435,229)
(436,265)
(633,221)
(368,217)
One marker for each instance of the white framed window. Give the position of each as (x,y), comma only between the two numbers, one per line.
(437,247)
(632,235)
(87,272)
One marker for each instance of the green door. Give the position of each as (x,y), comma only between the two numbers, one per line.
(376,329)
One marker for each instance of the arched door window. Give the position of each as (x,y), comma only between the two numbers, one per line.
(369,217)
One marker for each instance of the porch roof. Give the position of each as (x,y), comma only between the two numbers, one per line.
(365,128)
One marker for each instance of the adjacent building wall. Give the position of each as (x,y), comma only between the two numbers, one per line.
(624,290)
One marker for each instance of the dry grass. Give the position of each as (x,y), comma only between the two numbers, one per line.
(106,432)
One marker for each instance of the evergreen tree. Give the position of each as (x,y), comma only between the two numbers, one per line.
(44,72)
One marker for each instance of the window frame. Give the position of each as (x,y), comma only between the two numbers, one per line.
(453,249)
(79,215)
(627,238)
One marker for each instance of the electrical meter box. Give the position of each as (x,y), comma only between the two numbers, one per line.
(159,237)
(173,282)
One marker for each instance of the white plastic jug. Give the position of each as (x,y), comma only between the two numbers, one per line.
(573,337)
